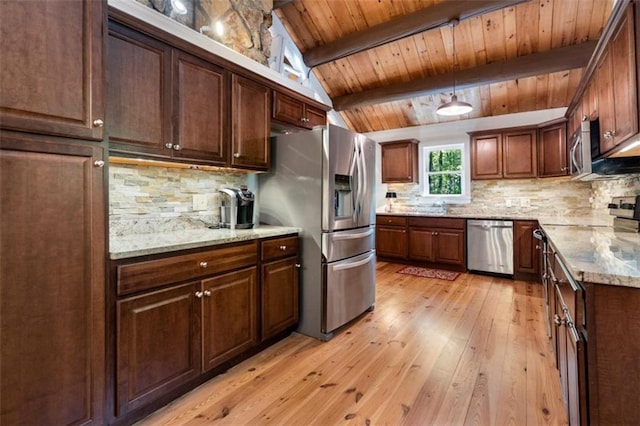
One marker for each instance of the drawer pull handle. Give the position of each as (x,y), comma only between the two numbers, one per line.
(207,293)
(203,265)
(283,248)
(199,294)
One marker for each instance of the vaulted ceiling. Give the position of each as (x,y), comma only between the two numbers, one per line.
(388,63)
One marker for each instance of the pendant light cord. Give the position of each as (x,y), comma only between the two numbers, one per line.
(454,22)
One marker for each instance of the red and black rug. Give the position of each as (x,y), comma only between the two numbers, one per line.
(429,273)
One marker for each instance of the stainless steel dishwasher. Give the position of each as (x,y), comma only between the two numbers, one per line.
(490,246)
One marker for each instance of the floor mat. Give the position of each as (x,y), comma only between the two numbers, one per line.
(429,273)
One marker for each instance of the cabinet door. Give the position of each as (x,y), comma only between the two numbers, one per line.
(520,154)
(280,302)
(52,240)
(421,244)
(138,93)
(391,241)
(200,99)
(486,157)
(400,161)
(590,101)
(158,344)
(314,117)
(251,124)
(230,316)
(604,84)
(552,150)
(561,351)
(525,251)
(449,247)
(52,71)
(288,109)
(624,82)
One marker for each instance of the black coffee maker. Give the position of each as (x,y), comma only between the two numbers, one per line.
(236,211)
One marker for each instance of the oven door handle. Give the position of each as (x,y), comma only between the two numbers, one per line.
(574,161)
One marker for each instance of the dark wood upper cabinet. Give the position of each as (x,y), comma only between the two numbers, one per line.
(52,270)
(486,156)
(552,149)
(251,124)
(52,76)
(617,93)
(200,95)
(400,161)
(296,112)
(138,93)
(519,151)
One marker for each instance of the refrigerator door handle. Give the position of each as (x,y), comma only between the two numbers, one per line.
(355,177)
(353,236)
(363,188)
(354,264)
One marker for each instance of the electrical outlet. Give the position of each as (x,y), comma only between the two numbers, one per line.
(199,202)
(508,203)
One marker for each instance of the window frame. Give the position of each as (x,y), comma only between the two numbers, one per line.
(465,178)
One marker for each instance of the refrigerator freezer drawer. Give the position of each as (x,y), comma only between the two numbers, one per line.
(342,244)
(351,289)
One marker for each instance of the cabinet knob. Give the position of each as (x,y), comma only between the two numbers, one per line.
(203,265)
(168,145)
(537,247)
(98,163)
(609,134)
(177,147)
(199,294)
(564,169)
(559,321)
(207,293)
(98,123)
(283,248)
(298,265)
(236,155)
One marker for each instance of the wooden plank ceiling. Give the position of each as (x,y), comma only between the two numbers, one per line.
(417,67)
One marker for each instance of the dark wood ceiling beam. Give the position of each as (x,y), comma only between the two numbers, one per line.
(555,60)
(404,26)
(277,4)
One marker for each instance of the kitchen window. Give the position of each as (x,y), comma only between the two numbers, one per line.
(446,173)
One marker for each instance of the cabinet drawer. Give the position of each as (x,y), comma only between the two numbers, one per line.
(279,248)
(154,273)
(437,222)
(391,220)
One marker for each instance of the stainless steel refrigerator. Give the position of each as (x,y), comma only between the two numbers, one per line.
(323,181)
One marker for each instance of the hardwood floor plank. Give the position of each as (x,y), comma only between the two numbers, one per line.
(472,351)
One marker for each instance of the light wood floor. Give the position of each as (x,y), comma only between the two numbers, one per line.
(473,351)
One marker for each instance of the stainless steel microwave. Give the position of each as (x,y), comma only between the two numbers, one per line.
(585,146)
(587,163)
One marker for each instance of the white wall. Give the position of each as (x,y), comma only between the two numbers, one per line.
(453,132)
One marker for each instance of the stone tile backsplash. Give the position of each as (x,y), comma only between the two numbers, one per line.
(528,197)
(156,199)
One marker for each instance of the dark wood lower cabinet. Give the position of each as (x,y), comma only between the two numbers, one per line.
(52,248)
(230,315)
(526,250)
(391,241)
(435,241)
(158,344)
(181,318)
(280,304)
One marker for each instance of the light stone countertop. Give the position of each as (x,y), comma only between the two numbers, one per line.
(588,245)
(122,247)
(598,254)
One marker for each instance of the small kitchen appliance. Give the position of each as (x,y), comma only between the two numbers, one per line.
(627,213)
(236,211)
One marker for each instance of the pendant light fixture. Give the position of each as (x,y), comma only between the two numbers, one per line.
(454,107)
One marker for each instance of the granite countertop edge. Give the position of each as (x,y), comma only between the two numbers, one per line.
(135,245)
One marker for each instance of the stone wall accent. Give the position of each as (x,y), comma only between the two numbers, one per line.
(246,23)
(155,199)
